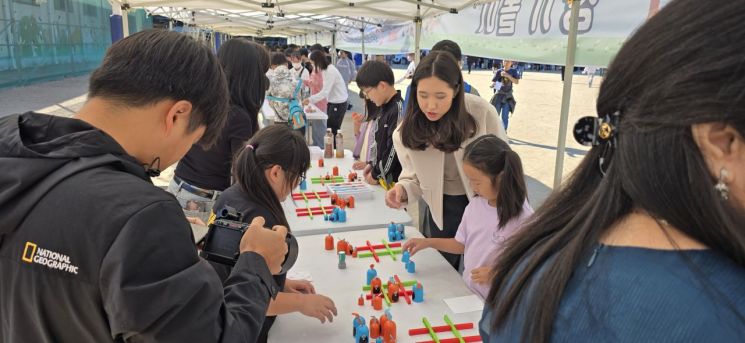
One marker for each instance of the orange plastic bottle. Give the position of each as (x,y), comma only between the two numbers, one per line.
(374,327)
(329,242)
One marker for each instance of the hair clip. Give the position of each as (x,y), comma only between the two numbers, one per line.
(599,131)
(594,131)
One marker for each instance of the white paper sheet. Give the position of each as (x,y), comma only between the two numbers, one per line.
(469,303)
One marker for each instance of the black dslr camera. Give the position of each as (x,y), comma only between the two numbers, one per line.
(223,239)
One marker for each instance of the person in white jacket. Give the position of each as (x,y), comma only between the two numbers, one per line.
(334,91)
(441,119)
(347,69)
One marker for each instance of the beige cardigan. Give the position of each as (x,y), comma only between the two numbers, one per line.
(423,172)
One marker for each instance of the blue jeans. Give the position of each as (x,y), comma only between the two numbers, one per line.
(318,132)
(504,111)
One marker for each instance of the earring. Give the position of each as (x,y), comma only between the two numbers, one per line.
(721,186)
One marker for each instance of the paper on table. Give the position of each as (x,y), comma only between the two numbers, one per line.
(469,303)
(299,275)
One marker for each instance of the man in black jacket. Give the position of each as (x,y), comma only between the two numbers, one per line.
(375,79)
(90,250)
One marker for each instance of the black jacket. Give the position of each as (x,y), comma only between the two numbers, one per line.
(210,169)
(91,251)
(237,199)
(385,161)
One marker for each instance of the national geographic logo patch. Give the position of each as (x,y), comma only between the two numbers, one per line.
(53,260)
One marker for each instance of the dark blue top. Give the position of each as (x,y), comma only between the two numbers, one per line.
(506,83)
(644,295)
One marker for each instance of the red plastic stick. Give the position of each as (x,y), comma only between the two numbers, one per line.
(455,340)
(299,196)
(369,296)
(375,255)
(380,246)
(401,284)
(444,328)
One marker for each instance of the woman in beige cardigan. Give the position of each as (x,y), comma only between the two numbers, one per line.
(440,121)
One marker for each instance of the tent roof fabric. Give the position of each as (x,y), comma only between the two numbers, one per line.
(294,17)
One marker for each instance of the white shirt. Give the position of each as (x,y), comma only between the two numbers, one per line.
(409,72)
(304,75)
(334,88)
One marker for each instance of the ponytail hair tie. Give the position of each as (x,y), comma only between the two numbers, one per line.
(249,146)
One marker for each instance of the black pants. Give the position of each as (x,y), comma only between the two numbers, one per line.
(453,207)
(336,117)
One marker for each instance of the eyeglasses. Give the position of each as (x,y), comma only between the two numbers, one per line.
(366,91)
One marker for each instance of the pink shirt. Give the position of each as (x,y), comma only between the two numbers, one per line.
(316,84)
(483,241)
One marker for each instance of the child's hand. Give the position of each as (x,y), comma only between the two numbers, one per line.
(481,275)
(299,286)
(368,175)
(396,197)
(357,117)
(413,245)
(196,221)
(319,307)
(358,165)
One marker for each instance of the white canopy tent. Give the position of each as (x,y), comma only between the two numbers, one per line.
(303,21)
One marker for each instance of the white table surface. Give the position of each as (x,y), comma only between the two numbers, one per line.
(367,214)
(439,280)
(269,113)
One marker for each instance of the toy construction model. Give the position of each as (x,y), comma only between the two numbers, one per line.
(329,242)
(346,189)
(343,246)
(342,202)
(327,179)
(342,260)
(396,232)
(337,215)
(310,211)
(360,332)
(454,328)
(391,292)
(310,196)
(371,273)
(375,254)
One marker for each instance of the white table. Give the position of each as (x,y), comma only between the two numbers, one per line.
(439,280)
(269,115)
(367,214)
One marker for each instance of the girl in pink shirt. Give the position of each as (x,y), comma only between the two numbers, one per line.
(499,210)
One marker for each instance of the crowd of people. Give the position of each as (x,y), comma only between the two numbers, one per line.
(644,242)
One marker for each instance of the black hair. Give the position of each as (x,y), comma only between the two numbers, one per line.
(493,157)
(316,47)
(245,64)
(288,52)
(372,111)
(155,65)
(278,59)
(449,46)
(657,167)
(272,145)
(319,60)
(457,125)
(371,73)
(303,52)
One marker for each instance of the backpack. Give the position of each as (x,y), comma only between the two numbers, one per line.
(296,119)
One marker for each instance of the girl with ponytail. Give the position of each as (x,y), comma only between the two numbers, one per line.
(499,210)
(270,165)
